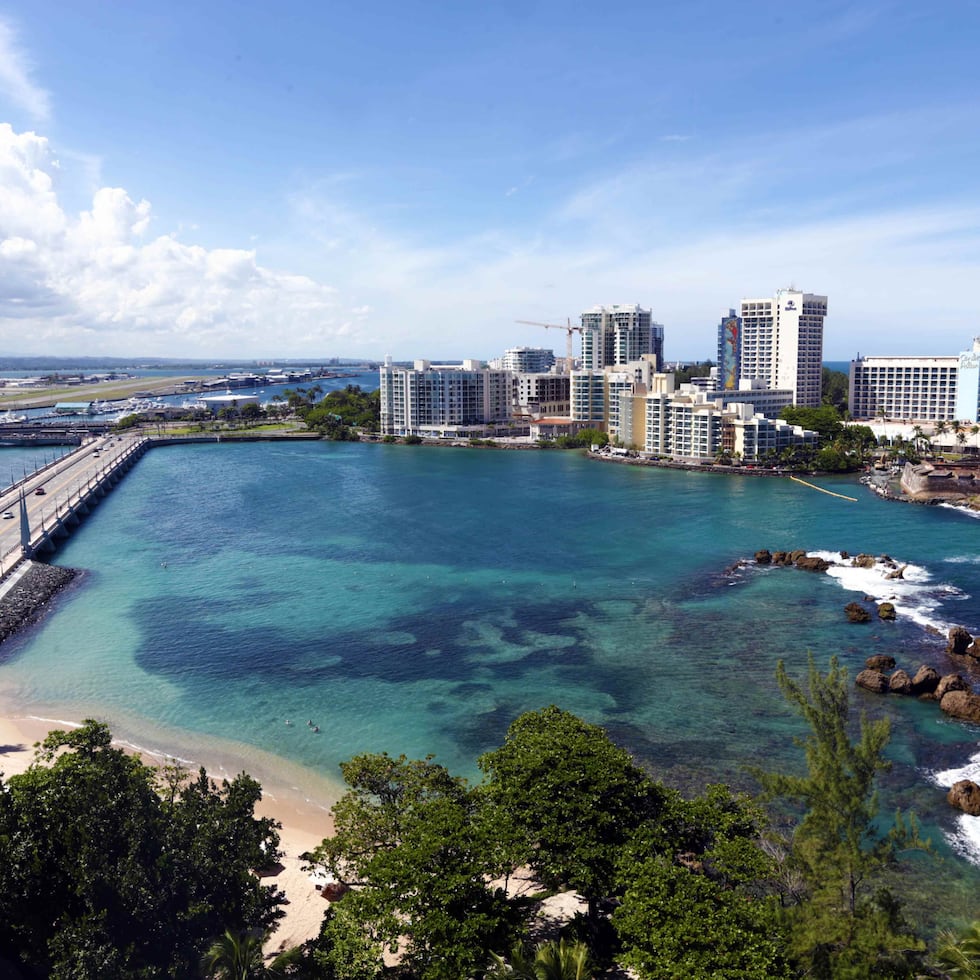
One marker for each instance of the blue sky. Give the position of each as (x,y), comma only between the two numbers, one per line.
(355,179)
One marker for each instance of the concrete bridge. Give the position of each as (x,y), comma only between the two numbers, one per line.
(44,507)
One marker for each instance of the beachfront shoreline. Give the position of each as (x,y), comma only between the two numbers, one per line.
(304,822)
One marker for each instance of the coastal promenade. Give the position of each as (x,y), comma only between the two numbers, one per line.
(58,496)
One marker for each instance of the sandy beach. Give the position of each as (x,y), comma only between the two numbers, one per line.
(304,825)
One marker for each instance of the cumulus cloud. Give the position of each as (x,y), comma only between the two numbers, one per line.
(99,282)
(15,76)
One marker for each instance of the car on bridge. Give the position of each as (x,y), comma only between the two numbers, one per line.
(40,492)
(8,515)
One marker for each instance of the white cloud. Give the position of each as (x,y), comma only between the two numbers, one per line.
(96,283)
(15,77)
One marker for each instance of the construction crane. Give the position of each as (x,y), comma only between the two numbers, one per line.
(557,326)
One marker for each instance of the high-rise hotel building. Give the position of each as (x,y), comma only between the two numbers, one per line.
(780,342)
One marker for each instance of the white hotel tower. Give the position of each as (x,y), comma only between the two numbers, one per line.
(782,343)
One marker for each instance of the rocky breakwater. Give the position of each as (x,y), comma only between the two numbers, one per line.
(960,643)
(25,601)
(856,612)
(798,558)
(952,692)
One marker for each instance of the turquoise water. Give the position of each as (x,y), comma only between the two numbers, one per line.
(416,600)
(16,462)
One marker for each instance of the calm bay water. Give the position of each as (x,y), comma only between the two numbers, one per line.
(416,600)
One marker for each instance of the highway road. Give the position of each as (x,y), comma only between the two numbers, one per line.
(61,483)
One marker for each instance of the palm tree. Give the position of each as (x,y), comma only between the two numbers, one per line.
(560,960)
(564,961)
(959,954)
(234,957)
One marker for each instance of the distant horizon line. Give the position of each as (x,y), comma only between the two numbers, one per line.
(124,361)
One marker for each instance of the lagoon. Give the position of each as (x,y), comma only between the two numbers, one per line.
(417,599)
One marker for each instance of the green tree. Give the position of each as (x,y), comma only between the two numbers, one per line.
(844,927)
(349,407)
(234,957)
(251,413)
(101,876)
(583,439)
(564,799)
(825,420)
(407,834)
(561,960)
(958,954)
(697,899)
(684,373)
(677,922)
(834,388)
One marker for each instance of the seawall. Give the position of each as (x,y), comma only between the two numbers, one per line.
(27,593)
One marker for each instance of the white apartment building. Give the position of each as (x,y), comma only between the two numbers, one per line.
(920,389)
(595,393)
(750,436)
(613,335)
(782,342)
(588,399)
(443,401)
(686,425)
(525,360)
(752,391)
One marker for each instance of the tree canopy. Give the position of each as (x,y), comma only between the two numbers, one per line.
(407,836)
(846,925)
(102,875)
(567,798)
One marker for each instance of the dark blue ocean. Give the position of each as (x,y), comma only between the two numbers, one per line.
(416,600)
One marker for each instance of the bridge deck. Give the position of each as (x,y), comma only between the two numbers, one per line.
(70,485)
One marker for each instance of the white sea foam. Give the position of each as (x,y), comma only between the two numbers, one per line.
(965,511)
(916,595)
(966,839)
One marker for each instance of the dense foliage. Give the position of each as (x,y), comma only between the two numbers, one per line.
(339,412)
(841,448)
(834,389)
(109,869)
(107,872)
(582,439)
(684,372)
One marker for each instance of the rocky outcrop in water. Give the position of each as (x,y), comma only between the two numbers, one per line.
(962,705)
(880,661)
(958,641)
(27,599)
(856,613)
(900,683)
(965,796)
(812,563)
(925,681)
(886,611)
(951,682)
(872,680)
